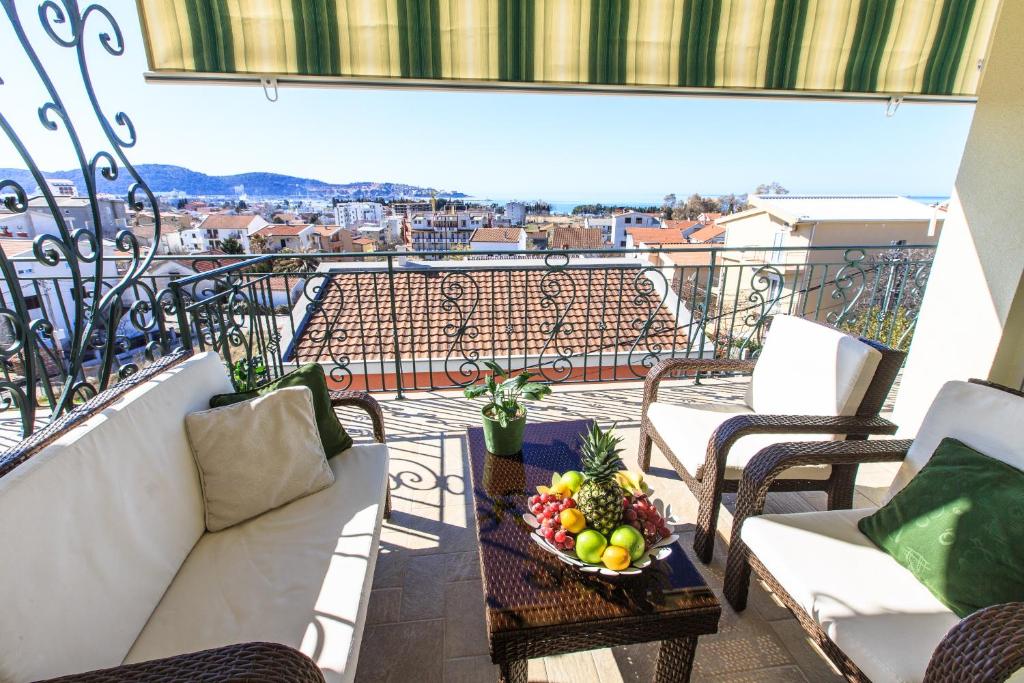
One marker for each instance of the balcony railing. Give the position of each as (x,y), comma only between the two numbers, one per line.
(401,324)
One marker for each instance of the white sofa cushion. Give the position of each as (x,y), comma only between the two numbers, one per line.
(687,430)
(95,526)
(806,368)
(299,575)
(986,419)
(257,455)
(882,617)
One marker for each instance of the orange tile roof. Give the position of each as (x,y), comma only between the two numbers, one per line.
(706,234)
(687,258)
(680,225)
(218,221)
(12,246)
(204,266)
(513,315)
(503,235)
(656,235)
(569,237)
(276,230)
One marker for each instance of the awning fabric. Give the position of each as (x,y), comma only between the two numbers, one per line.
(818,47)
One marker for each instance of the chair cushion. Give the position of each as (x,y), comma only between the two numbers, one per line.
(257,455)
(299,575)
(876,611)
(957,527)
(333,436)
(986,419)
(806,368)
(687,429)
(95,526)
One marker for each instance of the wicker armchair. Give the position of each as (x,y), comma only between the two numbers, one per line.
(701,443)
(843,590)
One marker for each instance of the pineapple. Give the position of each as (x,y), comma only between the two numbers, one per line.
(600,496)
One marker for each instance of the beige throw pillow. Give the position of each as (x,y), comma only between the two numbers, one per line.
(257,455)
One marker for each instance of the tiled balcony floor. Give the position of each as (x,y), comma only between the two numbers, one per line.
(426,619)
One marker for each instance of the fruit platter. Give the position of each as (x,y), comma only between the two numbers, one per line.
(601,520)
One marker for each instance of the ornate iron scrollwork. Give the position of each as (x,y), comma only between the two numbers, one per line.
(87,360)
(557,294)
(460,296)
(652,325)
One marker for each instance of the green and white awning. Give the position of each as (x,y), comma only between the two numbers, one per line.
(912,48)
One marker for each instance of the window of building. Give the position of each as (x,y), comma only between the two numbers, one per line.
(31,301)
(628,219)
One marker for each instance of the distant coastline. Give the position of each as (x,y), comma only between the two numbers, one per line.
(566,207)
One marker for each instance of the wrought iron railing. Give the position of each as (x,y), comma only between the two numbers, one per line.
(401,324)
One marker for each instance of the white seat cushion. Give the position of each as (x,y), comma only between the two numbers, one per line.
(882,617)
(94,527)
(806,368)
(299,575)
(986,419)
(687,429)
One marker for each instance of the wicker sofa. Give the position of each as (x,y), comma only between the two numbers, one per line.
(108,568)
(810,382)
(866,612)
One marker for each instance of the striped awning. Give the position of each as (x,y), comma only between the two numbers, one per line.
(830,48)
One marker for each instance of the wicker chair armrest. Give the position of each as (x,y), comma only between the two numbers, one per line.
(694,365)
(739,426)
(231,664)
(770,462)
(985,647)
(363,400)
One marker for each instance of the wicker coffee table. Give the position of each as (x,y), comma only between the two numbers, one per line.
(539,606)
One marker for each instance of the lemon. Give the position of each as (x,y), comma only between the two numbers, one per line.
(615,557)
(572,520)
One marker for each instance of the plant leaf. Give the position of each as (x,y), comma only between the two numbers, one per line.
(494,367)
(474,392)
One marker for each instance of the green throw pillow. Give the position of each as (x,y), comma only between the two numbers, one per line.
(958,526)
(334,437)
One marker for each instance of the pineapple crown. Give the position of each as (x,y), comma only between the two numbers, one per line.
(600,453)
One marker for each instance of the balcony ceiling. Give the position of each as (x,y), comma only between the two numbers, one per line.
(917,49)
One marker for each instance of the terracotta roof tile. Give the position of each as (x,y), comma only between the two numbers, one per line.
(706,234)
(600,311)
(656,235)
(276,230)
(218,221)
(570,237)
(503,235)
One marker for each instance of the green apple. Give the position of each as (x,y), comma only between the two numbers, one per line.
(590,545)
(572,479)
(629,538)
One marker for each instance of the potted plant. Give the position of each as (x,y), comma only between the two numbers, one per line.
(504,415)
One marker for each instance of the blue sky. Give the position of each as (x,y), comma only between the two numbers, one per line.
(556,147)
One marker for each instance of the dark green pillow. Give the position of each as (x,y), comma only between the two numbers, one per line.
(958,526)
(334,437)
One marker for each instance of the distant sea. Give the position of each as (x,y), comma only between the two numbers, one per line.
(566,207)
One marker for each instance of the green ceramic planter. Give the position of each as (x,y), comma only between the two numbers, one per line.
(503,440)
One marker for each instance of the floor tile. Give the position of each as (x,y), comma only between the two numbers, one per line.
(465,627)
(420,644)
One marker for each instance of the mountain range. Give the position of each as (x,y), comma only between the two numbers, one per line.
(169,178)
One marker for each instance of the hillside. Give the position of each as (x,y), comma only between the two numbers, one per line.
(168,178)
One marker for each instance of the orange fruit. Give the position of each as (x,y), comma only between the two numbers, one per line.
(572,520)
(615,557)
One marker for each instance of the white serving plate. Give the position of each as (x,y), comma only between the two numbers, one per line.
(658,551)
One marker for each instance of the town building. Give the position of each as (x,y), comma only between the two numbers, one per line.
(77,213)
(209,234)
(575,237)
(614,227)
(444,230)
(355,214)
(294,237)
(515,213)
(792,246)
(498,239)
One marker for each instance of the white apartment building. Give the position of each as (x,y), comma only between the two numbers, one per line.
(614,227)
(440,230)
(515,213)
(354,214)
(212,230)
